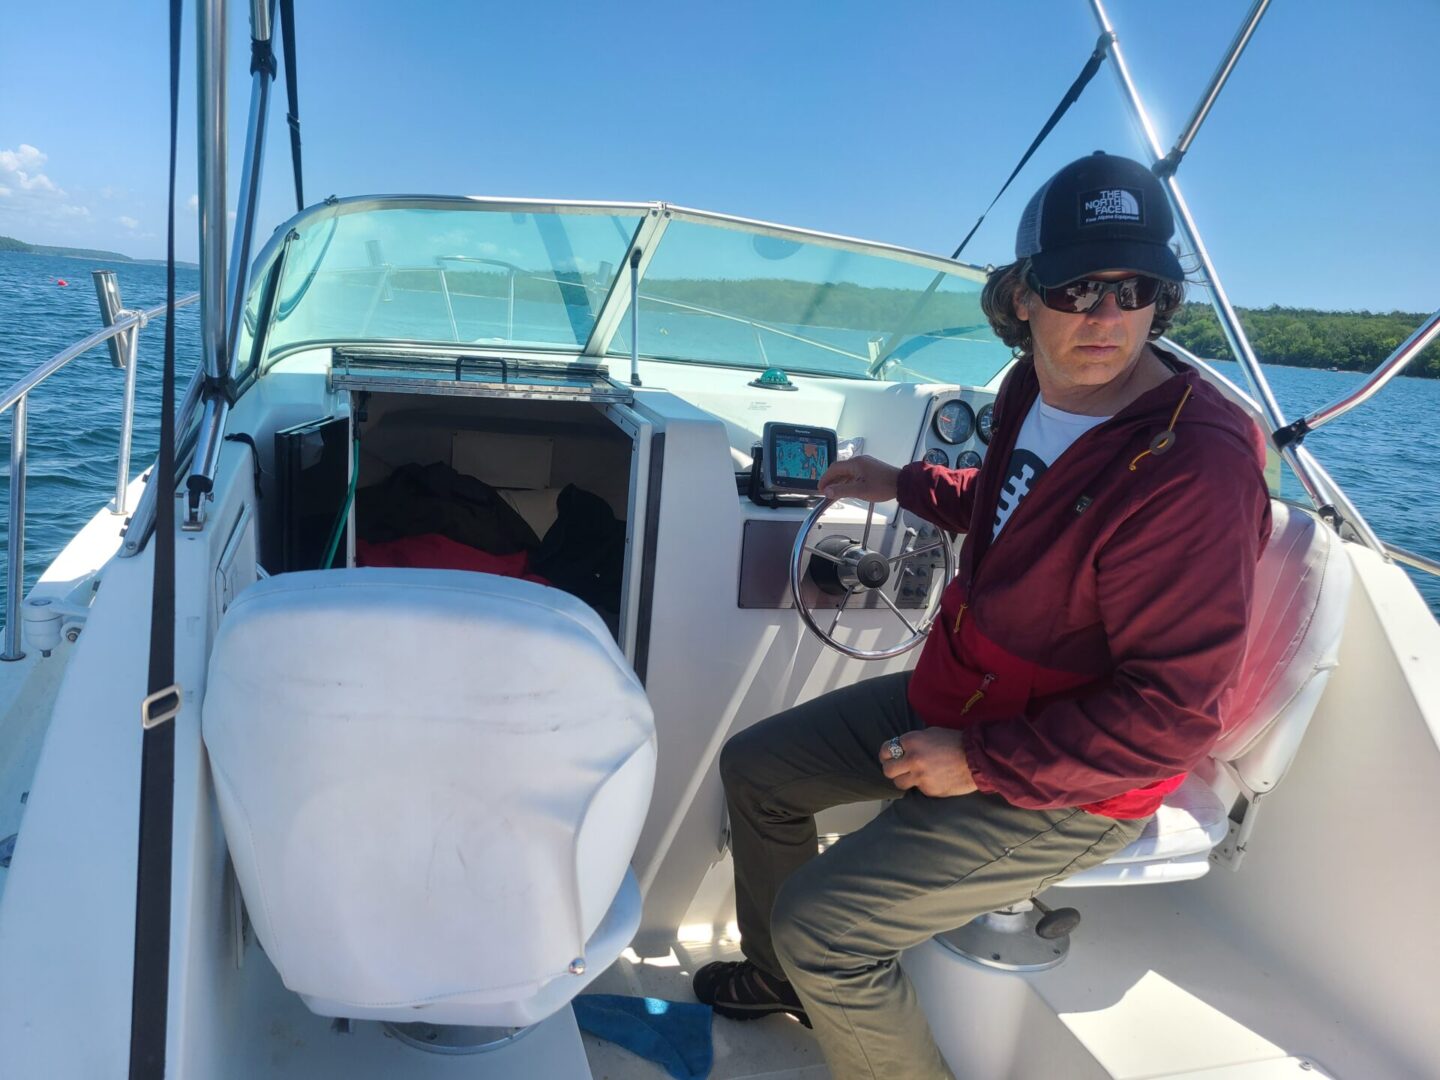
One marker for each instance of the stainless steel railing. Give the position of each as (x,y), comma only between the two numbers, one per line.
(122,331)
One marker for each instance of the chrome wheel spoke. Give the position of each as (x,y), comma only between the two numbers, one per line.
(865,536)
(825,555)
(840,611)
(898,613)
(936,546)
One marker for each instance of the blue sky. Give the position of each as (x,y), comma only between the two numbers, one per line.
(1313,180)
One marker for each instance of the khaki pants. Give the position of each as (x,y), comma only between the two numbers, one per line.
(835,926)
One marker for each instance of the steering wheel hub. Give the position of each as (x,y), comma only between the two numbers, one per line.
(872,571)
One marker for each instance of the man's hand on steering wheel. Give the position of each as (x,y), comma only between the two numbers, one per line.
(862,477)
(933,760)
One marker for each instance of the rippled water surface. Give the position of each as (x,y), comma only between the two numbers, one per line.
(1384,454)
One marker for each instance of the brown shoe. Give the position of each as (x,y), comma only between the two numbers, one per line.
(741,991)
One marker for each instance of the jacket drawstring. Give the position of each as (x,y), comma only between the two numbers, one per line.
(1166,438)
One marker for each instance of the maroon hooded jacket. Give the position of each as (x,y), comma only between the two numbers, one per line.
(1088,653)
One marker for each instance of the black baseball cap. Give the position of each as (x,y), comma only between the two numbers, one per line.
(1102,212)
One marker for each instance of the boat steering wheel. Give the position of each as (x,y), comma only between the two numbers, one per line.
(849,568)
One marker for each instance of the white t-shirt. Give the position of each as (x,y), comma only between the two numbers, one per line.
(1046,434)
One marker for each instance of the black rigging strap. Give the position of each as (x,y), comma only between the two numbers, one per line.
(908,324)
(150,990)
(292,94)
(1102,48)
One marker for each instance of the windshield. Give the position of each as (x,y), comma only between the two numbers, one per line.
(428,275)
(555,280)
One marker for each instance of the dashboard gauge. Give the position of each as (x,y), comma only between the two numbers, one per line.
(936,456)
(969,459)
(954,422)
(985,422)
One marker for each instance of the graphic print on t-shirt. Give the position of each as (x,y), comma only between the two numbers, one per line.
(1020,475)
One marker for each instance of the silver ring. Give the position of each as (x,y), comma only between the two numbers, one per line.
(896,750)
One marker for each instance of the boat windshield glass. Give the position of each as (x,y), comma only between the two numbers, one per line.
(715,291)
(487,278)
(741,296)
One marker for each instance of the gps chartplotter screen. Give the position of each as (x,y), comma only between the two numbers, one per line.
(796,457)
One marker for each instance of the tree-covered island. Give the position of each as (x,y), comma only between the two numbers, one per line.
(1302,337)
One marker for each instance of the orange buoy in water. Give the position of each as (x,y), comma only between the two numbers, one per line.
(61,281)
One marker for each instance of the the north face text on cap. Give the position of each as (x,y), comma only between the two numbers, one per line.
(1112,204)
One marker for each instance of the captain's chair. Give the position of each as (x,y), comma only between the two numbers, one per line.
(1302,591)
(431,782)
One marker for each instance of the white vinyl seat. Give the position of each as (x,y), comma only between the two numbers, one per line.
(431,783)
(1302,590)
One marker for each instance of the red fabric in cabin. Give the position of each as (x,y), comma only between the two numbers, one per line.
(436,552)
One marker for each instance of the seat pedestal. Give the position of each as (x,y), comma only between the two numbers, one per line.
(454,1039)
(1007,940)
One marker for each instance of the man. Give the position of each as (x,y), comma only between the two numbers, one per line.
(1078,668)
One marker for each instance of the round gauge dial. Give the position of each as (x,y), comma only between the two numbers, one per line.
(954,422)
(969,459)
(985,422)
(936,456)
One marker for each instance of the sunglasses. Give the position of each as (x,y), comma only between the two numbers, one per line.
(1086,294)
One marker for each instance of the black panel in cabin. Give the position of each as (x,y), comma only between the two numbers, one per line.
(313,463)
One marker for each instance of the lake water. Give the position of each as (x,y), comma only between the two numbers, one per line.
(1383,454)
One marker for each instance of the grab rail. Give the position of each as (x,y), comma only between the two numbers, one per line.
(1411,558)
(124,330)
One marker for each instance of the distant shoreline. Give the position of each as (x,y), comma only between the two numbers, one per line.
(1357,341)
(9,244)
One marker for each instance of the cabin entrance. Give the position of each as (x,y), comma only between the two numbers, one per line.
(519,470)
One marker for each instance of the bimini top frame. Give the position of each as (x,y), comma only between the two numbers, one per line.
(1322,490)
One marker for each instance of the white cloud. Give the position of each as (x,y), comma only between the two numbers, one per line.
(193,202)
(22,167)
(43,208)
(129,222)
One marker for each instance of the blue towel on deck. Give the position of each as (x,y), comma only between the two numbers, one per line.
(675,1034)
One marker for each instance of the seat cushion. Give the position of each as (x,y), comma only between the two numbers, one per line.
(431,782)
(1191,821)
(1297,617)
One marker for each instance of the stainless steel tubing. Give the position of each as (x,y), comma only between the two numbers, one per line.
(1222,73)
(1395,363)
(1410,558)
(261,19)
(247,208)
(209,440)
(127,425)
(449,308)
(107,292)
(1331,492)
(1229,322)
(1303,465)
(210,36)
(38,375)
(15,576)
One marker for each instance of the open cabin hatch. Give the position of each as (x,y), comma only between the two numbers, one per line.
(521,469)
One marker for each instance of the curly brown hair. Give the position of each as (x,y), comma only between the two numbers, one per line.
(1007,283)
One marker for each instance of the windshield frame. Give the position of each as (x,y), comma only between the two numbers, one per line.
(655,217)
